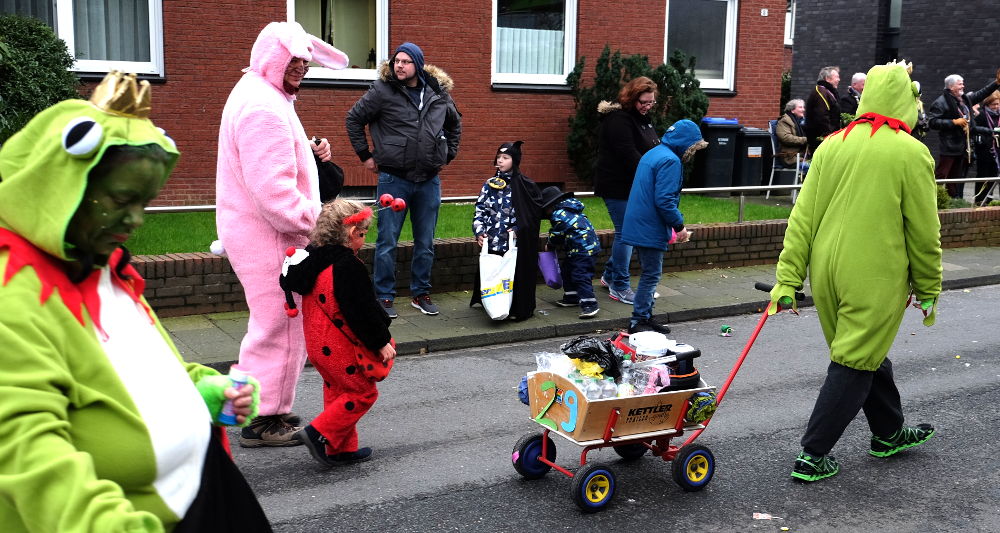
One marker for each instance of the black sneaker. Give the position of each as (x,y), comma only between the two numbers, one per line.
(424,303)
(906,437)
(347,458)
(316,444)
(811,468)
(291,419)
(589,310)
(268,431)
(648,325)
(567,302)
(389,309)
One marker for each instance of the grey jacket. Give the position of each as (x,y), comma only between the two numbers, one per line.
(408,142)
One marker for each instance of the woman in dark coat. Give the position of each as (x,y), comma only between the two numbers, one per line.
(510,201)
(626,134)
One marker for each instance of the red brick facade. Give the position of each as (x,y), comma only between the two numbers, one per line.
(207,43)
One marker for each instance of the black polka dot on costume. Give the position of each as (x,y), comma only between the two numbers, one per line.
(322,298)
(326,350)
(338,322)
(326,384)
(370,366)
(351,369)
(360,357)
(349,406)
(385,365)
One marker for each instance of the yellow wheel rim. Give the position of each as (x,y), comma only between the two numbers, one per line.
(597,488)
(697,468)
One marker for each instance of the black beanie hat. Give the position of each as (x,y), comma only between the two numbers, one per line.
(513,149)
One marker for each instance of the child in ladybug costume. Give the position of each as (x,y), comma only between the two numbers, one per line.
(346,330)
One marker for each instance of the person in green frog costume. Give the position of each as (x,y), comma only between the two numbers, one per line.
(103,426)
(866,228)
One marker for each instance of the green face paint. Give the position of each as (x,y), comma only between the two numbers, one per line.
(113,205)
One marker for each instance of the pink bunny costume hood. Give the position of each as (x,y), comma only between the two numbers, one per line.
(267,200)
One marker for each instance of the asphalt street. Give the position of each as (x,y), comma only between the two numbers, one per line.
(445,424)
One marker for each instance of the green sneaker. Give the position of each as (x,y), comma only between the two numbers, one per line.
(812,468)
(906,437)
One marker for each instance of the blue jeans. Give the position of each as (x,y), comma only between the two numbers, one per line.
(616,269)
(422,202)
(651,260)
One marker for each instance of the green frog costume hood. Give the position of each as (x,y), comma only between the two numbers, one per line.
(62,144)
(865,226)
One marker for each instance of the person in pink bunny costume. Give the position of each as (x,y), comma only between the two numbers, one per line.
(267,200)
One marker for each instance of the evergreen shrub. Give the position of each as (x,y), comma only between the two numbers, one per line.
(680,96)
(34,71)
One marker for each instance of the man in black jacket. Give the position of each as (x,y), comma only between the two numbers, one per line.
(950,114)
(823,107)
(415,129)
(849,102)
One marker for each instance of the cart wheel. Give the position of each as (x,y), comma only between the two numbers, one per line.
(593,487)
(526,453)
(693,467)
(631,452)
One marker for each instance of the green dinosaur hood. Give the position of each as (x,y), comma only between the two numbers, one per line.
(889,92)
(44,167)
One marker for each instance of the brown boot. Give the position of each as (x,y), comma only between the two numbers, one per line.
(269,430)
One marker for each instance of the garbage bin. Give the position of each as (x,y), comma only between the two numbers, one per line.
(714,165)
(751,148)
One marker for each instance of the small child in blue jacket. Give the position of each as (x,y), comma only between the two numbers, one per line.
(572,231)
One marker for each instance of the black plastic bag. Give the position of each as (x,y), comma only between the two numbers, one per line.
(595,350)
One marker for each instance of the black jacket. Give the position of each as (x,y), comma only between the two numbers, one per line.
(624,137)
(408,142)
(849,102)
(822,112)
(945,109)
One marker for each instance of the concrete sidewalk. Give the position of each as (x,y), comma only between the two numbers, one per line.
(214,339)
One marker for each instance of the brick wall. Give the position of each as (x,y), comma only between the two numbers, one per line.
(838,32)
(203,62)
(759,58)
(184,284)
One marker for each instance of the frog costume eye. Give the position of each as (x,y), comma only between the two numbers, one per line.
(82,137)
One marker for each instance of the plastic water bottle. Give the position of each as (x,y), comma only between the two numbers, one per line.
(239,378)
(592,390)
(609,389)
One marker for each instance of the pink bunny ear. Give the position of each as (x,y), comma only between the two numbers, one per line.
(326,55)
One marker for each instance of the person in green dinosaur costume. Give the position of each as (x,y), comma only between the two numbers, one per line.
(866,227)
(103,427)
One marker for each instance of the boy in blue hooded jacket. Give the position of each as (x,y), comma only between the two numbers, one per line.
(572,231)
(653,214)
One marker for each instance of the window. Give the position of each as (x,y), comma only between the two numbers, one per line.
(359,28)
(534,41)
(790,23)
(714,49)
(103,35)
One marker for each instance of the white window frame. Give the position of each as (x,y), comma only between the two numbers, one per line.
(790,25)
(317,72)
(729,61)
(65,31)
(569,53)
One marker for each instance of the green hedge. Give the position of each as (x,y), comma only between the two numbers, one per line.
(34,71)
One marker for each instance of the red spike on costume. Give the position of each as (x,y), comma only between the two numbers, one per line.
(290,251)
(877,121)
(51,275)
(358,217)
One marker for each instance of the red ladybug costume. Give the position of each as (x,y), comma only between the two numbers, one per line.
(344,328)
